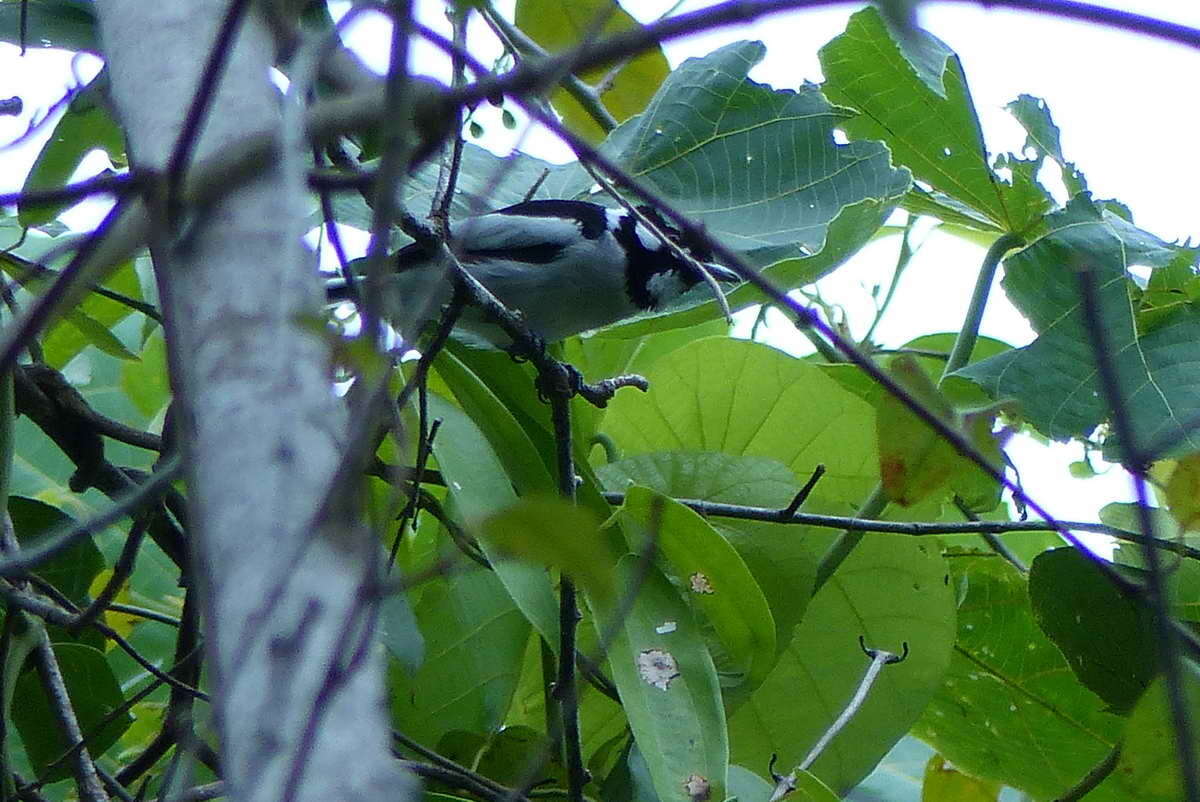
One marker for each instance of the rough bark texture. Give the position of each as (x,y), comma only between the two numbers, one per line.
(261,430)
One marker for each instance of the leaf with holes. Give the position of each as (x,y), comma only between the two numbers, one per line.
(1010,708)
(760,168)
(934,134)
(1055,378)
(668,685)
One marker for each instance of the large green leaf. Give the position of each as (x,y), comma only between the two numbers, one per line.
(1055,378)
(891,590)
(1105,635)
(72,571)
(85,126)
(65,24)
(781,558)
(668,686)
(474,640)
(94,695)
(935,134)
(1011,709)
(713,577)
(481,488)
(743,398)
(759,167)
(559,24)
(1148,768)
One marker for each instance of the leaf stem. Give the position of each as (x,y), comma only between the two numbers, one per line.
(964,344)
(874,504)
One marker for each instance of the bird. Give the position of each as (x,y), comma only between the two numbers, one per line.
(568,266)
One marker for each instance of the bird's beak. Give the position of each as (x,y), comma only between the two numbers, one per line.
(722,273)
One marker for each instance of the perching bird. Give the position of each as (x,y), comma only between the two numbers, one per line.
(568,266)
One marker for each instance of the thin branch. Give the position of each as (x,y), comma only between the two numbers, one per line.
(920,529)
(104,184)
(1170,659)
(845,543)
(566,688)
(120,572)
(516,40)
(86,781)
(879,659)
(441,208)
(63,537)
(395,147)
(903,258)
(1098,774)
(995,543)
(189,133)
(482,781)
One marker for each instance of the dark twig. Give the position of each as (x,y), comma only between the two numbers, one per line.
(189,133)
(120,572)
(1170,660)
(486,783)
(790,510)
(441,209)
(86,781)
(566,689)
(1099,773)
(394,149)
(104,184)
(995,543)
(920,529)
(62,612)
(63,537)
(17,334)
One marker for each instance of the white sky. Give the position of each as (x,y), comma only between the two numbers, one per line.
(1125,105)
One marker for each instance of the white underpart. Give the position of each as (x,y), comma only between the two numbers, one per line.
(666,286)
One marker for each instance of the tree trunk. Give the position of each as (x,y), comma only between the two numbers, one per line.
(298,686)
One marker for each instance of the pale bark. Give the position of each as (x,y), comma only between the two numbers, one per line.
(261,430)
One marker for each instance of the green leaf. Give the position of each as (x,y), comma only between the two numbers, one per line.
(94,695)
(702,399)
(890,590)
(1054,378)
(73,570)
(1148,768)
(1011,709)
(781,557)
(711,575)
(510,442)
(758,167)
(943,782)
(1042,135)
(668,686)
(936,135)
(746,786)
(65,24)
(145,380)
(400,633)
(481,488)
(474,642)
(556,533)
(85,126)
(1106,636)
(557,25)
